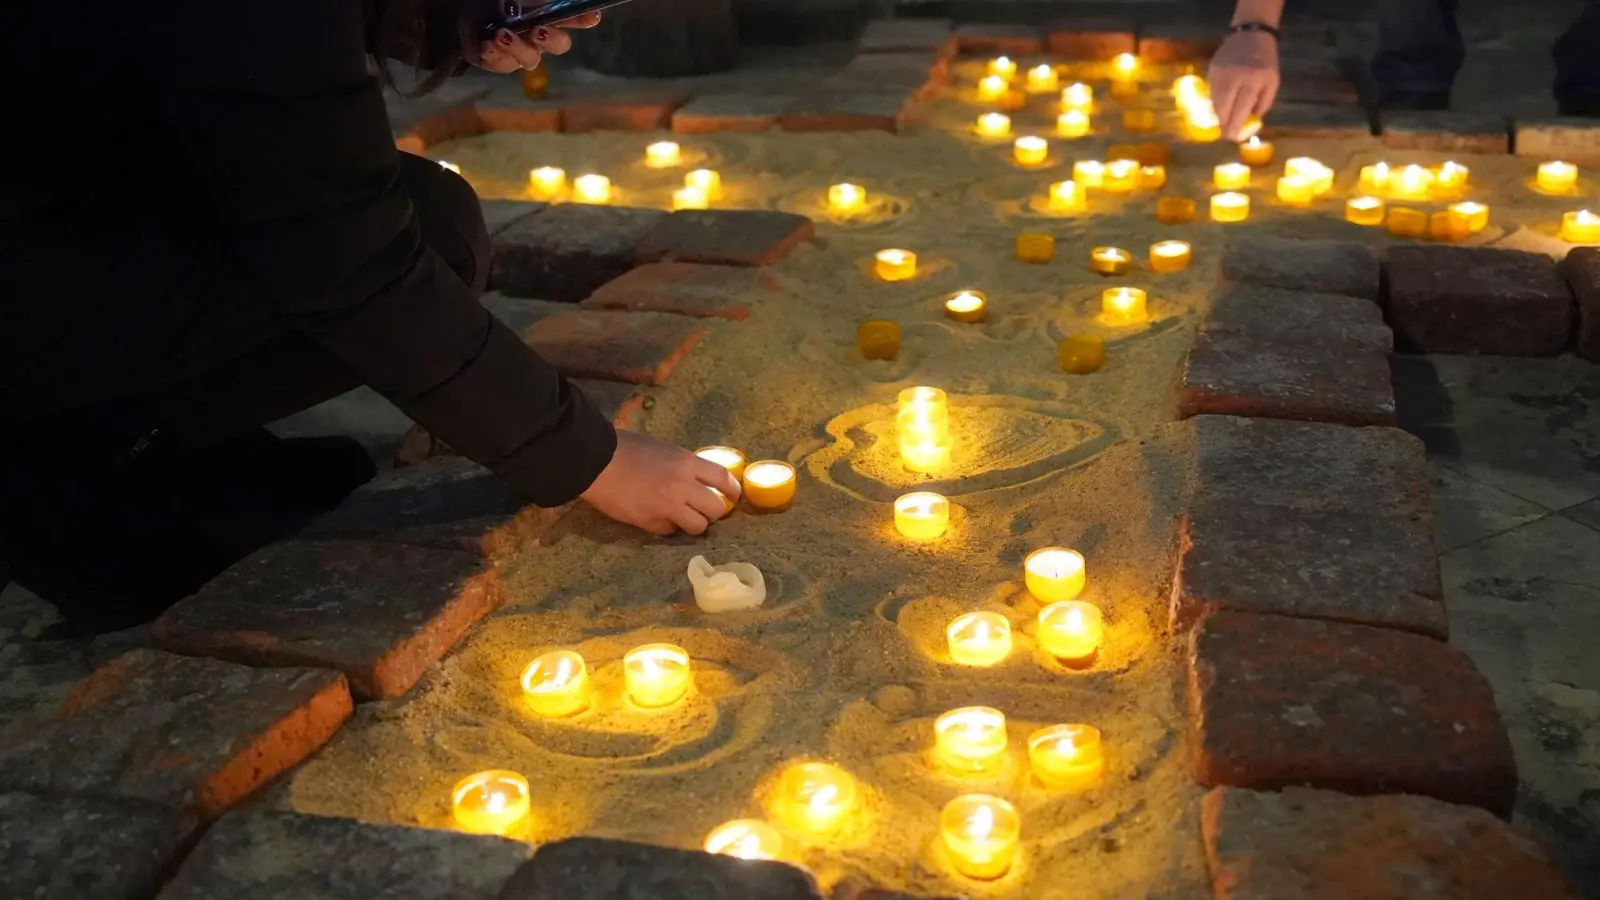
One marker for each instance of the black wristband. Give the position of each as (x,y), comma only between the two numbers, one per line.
(1261,27)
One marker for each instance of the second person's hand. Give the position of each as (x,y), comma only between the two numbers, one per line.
(661,487)
(1244,79)
(510,51)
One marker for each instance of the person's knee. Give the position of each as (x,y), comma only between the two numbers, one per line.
(451,217)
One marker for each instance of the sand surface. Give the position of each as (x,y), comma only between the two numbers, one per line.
(846,661)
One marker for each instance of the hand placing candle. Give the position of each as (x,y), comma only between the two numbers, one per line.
(556,684)
(491,802)
(980,834)
(979,639)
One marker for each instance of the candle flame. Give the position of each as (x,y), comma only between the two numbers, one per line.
(1066,747)
(981,823)
(768,475)
(747,847)
(1074,619)
(1126,63)
(823,796)
(495,802)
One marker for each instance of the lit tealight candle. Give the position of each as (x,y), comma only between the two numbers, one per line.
(970,739)
(769,485)
(1125,67)
(1035,248)
(1319,176)
(1405,222)
(992,87)
(1556,177)
(1375,178)
(1170,256)
(1110,260)
(656,675)
(1296,190)
(547,181)
(922,422)
(980,834)
(993,125)
(556,684)
(1030,150)
(1174,210)
(970,307)
(921,515)
(708,180)
(1256,152)
(1252,126)
(1451,178)
(846,197)
(1230,207)
(1411,183)
(1122,306)
(1231,176)
(1071,631)
(979,639)
(745,839)
(1474,215)
(491,802)
(662,154)
(450,166)
(1054,574)
(1581,227)
(1074,123)
(1077,96)
(1003,66)
(895,265)
(726,457)
(1201,123)
(690,197)
(1089,173)
(1188,89)
(1444,227)
(1367,211)
(1068,757)
(1042,79)
(878,339)
(1152,177)
(1066,196)
(815,797)
(1121,176)
(591,189)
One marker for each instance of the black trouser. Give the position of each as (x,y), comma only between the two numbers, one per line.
(161,331)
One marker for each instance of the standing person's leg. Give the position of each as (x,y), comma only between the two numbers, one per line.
(1419,52)
(1577,56)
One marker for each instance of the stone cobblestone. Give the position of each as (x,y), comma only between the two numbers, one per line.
(61,847)
(595,869)
(1478,300)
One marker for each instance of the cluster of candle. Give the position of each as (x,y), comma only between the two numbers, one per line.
(1165,256)
(814,799)
(1414,183)
(1119,176)
(768,484)
(922,421)
(1070,630)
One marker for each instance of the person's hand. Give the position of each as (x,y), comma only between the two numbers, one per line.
(510,51)
(1244,79)
(661,487)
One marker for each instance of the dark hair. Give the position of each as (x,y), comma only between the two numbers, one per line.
(436,38)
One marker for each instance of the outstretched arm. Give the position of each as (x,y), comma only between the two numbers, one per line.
(1244,73)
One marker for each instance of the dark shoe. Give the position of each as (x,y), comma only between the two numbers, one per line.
(1421,100)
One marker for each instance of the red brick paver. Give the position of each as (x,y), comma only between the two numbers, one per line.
(1178,42)
(636,347)
(748,112)
(1306,844)
(1313,118)
(1298,317)
(1581,268)
(380,612)
(1321,267)
(1478,300)
(726,237)
(191,734)
(688,289)
(1277,701)
(999,40)
(1576,140)
(645,112)
(1239,375)
(1443,131)
(843,109)
(567,251)
(1091,39)
(530,119)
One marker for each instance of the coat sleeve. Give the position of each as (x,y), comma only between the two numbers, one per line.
(278,116)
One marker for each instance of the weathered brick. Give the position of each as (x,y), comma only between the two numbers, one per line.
(648,111)
(1239,375)
(1297,317)
(533,118)
(1304,844)
(1575,140)
(640,348)
(999,40)
(62,847)
(746,112)
(567,251)
(1276,701)
(1581,268)
(450,503)
(841,110)
(1179,42)
(192,734)
(1312,520)
(1478,300)
(1317,121)
(688,289)
(1090,39)
(594,869)
(1322,267)
(622,403)
(913,74)
(725,237)
(891,35)
(379,612)
(272,855)
(1445,131)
